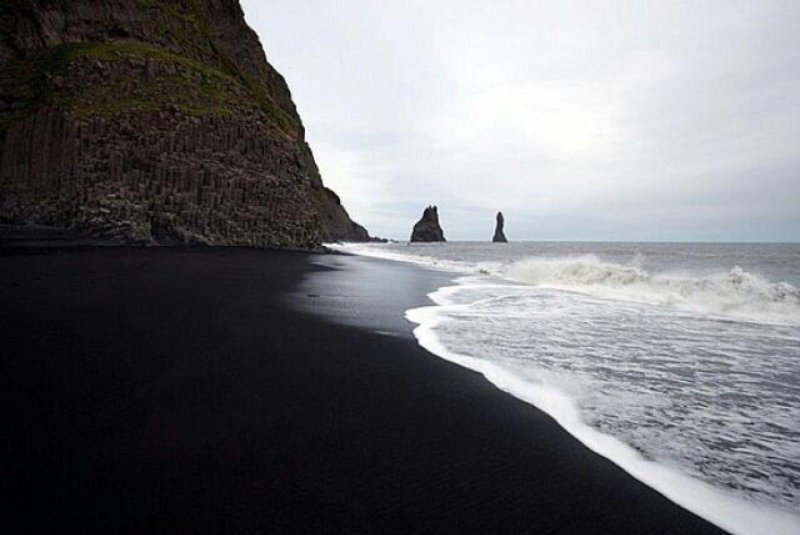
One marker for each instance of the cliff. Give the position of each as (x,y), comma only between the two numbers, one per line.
(427,229)
(154,121)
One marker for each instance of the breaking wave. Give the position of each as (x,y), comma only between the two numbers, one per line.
(735,293)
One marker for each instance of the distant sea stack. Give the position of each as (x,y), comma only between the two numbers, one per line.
(154,122)
(499,236)
(428,229)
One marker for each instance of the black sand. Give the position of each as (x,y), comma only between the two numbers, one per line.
(170,390)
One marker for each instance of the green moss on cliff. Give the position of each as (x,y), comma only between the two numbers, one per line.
(195,19)
(67,77)
(283,120)
(189,94)
(63,77)
(189,18)
(279,116)
(62,56)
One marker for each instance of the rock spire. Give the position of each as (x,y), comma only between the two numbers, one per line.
(499,236)
(427,229)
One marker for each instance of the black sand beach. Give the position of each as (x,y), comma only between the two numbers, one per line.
(176,390)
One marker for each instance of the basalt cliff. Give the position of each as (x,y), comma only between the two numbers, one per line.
(154,121)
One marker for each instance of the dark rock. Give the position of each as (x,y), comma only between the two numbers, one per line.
(427,229)
(154,122)
(499,236)
(335,220)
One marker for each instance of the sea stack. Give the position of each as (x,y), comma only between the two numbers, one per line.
(155,122)
(499,236)
(427,229)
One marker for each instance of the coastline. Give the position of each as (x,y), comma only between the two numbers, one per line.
(191,389)
(717,505)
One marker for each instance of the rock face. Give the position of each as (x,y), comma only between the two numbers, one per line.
(154,121)
(499,236)
(427,229)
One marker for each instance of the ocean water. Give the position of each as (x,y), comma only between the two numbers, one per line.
(679,362)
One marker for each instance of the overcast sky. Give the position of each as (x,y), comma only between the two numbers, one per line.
(590,120)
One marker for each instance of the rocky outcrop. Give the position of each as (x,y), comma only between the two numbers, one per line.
(335,220)
(428,229)
(499,236)
(154,122)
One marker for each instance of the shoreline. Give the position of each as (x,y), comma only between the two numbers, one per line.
(714,504)
(725,510)
(173,389)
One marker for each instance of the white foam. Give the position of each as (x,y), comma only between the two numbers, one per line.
(726,511)
(728,294)
(735,293)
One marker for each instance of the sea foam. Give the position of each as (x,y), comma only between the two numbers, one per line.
(727,511)
(735,293)
(732,293)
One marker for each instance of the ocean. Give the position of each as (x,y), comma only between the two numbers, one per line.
(678,362)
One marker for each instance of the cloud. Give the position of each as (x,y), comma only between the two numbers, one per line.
(580,120)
